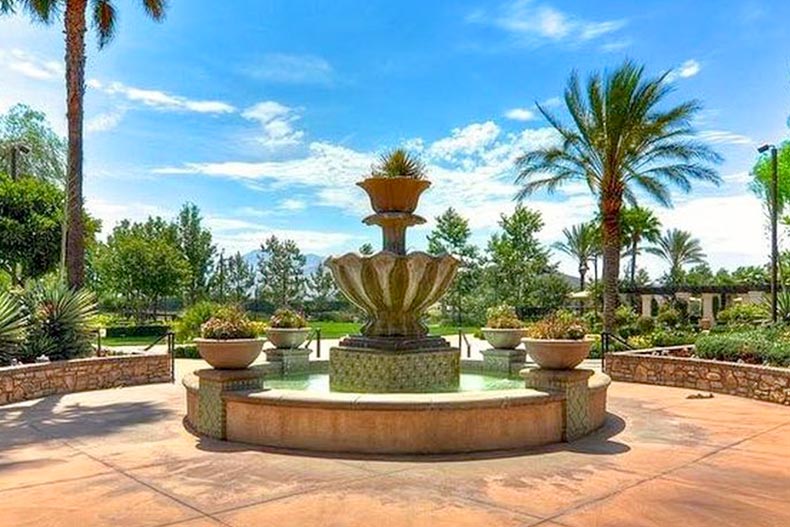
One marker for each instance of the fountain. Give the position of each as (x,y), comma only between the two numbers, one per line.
(394,352)
(395,389)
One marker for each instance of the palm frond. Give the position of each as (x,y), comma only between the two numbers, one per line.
(104,19)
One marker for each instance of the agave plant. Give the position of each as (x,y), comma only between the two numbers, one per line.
(399,163)
(60,321)
(13,323)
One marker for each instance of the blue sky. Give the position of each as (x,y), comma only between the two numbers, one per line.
(264,113)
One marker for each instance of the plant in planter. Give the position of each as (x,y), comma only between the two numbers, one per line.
(503,329)
(396,182)
(228,340)
(287,329)
(557,342)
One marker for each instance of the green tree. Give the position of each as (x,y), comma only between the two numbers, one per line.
(516,257)
(621,141)
(75,19)
(639,224)
(280,268)
(700,274)
(677,248)
(241,278)
(451,236)
(141,264)
(31,219)
(321,288)
(23,127)
(366,249)
(579,244)
(194,241)
(762,175)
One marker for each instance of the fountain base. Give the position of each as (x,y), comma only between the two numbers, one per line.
(381,365)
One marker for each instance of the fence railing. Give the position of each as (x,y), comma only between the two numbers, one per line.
(606,343)
(463,340)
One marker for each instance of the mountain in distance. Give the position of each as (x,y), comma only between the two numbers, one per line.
(311,261)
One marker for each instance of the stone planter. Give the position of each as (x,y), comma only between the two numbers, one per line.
(234,354)
(287,337)
(558,354)
(397,194)
(504,338)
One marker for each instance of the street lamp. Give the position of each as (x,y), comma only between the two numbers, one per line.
(774,217)
(16,149)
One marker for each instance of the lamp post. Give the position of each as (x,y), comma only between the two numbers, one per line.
(774,218)
(16,149)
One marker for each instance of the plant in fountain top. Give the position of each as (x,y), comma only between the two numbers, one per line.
(228,323)
(287,319)
(503,316)
(399,163)
(562,325)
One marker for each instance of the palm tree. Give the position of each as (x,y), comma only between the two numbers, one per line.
(103,17)
(639,224)
(677,248)
(620,142)
(579,244)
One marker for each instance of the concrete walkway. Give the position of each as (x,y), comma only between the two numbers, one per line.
(122,458)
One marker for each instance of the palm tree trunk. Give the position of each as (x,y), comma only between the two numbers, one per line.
(634,246)
(610,210)
(75,90)
(581,279)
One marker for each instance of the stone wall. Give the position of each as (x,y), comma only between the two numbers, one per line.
(31,381)
(746,380)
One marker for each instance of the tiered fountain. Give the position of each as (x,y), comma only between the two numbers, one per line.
(394,389)
(394,352)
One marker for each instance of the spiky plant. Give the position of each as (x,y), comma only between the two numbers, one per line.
(399,163)
(60,321)
(13,323)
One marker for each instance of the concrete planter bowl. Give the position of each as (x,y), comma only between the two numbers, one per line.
(396,194)
(558,354)
(234,354)
(503,338)
(287,337)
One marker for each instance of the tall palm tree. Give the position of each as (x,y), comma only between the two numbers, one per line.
(579,244)
(103,17)
(620,142)
(639,224)
(678,248)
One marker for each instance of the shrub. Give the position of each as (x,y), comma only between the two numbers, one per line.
(287,319)
(562,325)
(13,323)
(645,325)
(641,342)
(664,337)
(228,323)
(188,327)
(755,347)
(135,331)
(502,316)
(59,322)
(399,163)
(186,352)
(742,314)
(624,316)
(594,321)
(668,316)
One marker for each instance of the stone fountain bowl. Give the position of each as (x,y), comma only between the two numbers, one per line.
(394,290)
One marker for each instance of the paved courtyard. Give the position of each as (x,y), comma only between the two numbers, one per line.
(122,458)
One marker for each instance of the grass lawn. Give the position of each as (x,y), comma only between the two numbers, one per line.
(333,330)
(128,341)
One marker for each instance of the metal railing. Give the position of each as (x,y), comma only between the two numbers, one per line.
(314,334)
(463,340)
(171,351)
(606,344)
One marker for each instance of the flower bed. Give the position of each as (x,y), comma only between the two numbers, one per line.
(31,381)
(677,366)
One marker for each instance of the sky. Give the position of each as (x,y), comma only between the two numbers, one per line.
(265,113)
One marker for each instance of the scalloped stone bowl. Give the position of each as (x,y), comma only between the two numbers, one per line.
(394,290)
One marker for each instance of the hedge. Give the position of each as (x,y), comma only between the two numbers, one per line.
(137,331)
(769,346)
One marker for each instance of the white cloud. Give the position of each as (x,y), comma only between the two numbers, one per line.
(292,69)
(292,205)
(105,122)
(162,100)
(688,69)
(31,65)
(277,123)
(111,213)
(532,23)
(520,114)
(470,139)
(724,137)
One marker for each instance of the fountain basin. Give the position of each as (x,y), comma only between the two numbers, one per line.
(429,423)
